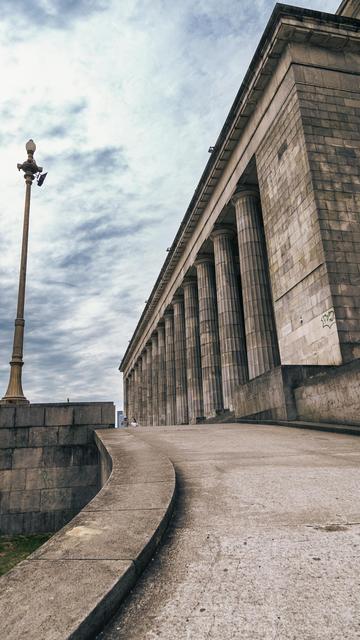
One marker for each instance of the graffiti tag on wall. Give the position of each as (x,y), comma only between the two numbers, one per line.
(328,318)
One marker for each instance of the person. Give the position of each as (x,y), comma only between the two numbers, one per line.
(133,423)
(125,422)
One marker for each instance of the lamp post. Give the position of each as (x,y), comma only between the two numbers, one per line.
(14,393)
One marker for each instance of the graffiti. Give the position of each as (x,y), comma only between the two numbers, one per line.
(328,318)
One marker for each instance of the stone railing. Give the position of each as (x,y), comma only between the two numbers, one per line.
(72,584)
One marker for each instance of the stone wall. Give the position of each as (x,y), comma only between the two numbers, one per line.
(300,287)
(271,395)
(331,397)
(330,108)
(48,463)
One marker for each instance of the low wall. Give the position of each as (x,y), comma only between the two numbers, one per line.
(49,466)
(331,398)
(72,585)
(271,395)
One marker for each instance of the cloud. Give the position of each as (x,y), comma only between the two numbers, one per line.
(123,100)
(53,14)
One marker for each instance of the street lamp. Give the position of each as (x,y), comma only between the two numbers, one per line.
(14,393)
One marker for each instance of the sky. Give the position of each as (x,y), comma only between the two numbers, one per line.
(123,99)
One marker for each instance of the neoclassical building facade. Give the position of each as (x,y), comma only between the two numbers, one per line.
(256,310)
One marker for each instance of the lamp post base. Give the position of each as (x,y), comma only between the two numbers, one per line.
(12,400)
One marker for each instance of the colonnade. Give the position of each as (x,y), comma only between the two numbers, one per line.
(217,333)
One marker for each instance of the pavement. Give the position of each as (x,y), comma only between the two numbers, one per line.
(264,542)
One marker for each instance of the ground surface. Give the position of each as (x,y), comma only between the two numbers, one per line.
(13,549)
(264,543)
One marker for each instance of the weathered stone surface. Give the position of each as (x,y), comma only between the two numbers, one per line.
(193,351)
(234,367)
(209,336)
(148,382)
(331,396)
(170,369)
(47,473)
(180,360)
(162,374)
(260,331)
(57,416)
(155,380)
(29,415)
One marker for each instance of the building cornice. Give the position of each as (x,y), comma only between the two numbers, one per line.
(286,25)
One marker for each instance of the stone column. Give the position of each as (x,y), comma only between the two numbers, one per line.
(149,413)
(155,380)
(126,384)
(209,336)
(234,369)
(137,391)
(143,415)
(193,353)
(261,338)
(161,374)
(170,368)
(180,360)
(130,395)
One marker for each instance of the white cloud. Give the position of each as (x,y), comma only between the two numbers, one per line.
(123,100)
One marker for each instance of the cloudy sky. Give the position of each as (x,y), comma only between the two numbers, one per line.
(123,98)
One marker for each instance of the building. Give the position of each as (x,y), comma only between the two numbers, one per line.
(256,310)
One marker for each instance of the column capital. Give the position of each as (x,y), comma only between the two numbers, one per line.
(203,258)
(222,230)
(178,297)
(189,281)
(244,191)
(168,311)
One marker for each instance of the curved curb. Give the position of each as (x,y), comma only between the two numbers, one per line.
(71,586)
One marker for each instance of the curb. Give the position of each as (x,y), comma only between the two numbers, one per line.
(71,586)
(347,429)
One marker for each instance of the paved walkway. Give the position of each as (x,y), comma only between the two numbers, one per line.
(264,543)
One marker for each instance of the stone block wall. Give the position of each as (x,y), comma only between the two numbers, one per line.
(299,281)
(271,395)
(49,466)
(331,397)
(330,110)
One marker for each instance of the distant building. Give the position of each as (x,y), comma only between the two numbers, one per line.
(256,310)
(119,418)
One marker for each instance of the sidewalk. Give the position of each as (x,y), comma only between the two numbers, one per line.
(264,543)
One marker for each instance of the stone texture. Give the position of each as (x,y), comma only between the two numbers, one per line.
(193,351)
(180,360)
(331,397)
(155,380)
(234,368)
(299,279)
(162,374)
(261,339)
(137,391)
(170,369)
(149,390)
(48,473)
(144,393)
(209,336)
